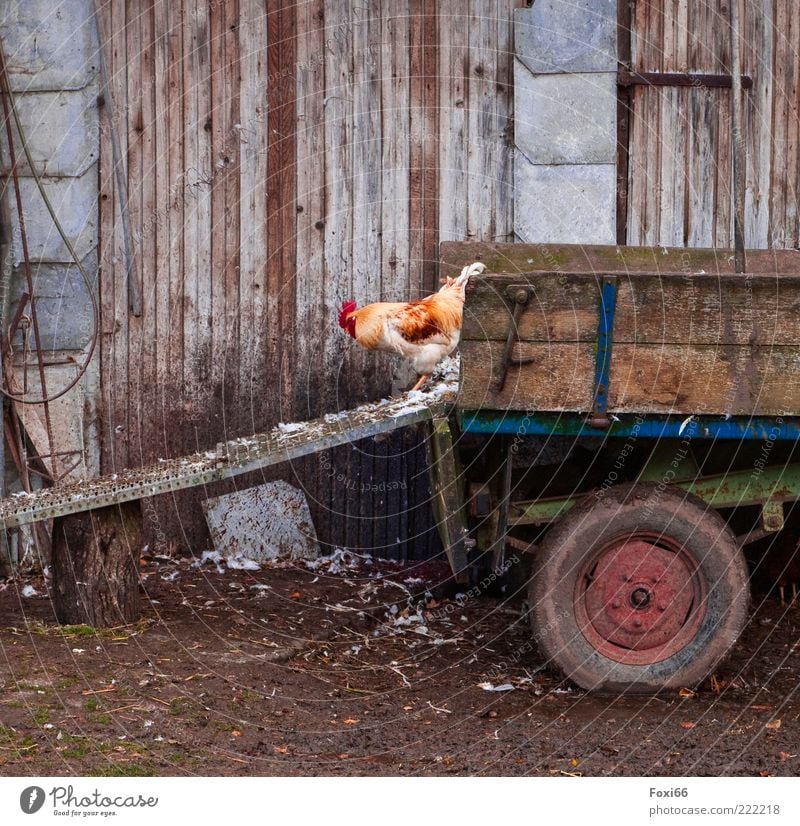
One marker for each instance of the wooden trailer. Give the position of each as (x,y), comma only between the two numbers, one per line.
(621,414)
(676,382)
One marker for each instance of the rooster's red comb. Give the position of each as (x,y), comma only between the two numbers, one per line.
(347,308)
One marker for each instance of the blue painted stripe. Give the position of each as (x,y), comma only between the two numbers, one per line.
(605,330)
(649,426)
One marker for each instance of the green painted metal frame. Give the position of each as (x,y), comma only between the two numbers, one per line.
(762,486)
(448,499)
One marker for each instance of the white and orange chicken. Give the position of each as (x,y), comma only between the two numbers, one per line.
(423,331)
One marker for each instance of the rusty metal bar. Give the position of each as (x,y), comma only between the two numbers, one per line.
(626,78)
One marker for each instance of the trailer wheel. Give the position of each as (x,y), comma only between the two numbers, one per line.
(638,589)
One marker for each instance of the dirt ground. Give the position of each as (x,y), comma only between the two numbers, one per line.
(338,670)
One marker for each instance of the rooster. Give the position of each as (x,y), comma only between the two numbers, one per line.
(423,331)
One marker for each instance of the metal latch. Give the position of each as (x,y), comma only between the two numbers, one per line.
(519,295)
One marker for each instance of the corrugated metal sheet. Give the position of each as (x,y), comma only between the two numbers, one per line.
(283,157)
(679,180)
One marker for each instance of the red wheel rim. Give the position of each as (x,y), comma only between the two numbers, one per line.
(640,599)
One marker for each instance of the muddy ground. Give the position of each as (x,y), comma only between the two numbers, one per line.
(291,671)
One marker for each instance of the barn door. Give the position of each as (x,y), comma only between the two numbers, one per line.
(675,134)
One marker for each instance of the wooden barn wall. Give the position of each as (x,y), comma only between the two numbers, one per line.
(282,157)
(679,181)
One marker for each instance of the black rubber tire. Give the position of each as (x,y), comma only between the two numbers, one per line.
(619,511)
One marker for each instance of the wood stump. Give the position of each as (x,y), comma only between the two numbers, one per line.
(96,566)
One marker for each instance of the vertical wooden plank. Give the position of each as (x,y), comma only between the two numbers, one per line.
(680,22)
(701,178)
(635,171)
(236,413)
(204,416)
(503,82)
(309,248)
(206,413)
(453,93)
(672,142)
(252,189)
(424,149)
(758,61)
(678,115)
(367,195)
(220,130)
(482,126)
(654,103)
(191,228)
(781,107)
(107,241)
(395,196)
(280,194)
(395,158)
(175,198)
(338,113)
(287,127)
(161,380)
(791,178)
(310,184)
(136,127)
(722,170)
(418,126)
(670,37)
(151,428)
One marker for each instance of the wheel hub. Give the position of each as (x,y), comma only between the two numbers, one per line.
(640,598)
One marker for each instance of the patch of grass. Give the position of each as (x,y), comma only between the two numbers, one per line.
(67,682)
(102,719)
(24,685)
(124,770)
(71,632)
(76,748)
(10,738)
(179,706)
(41,715)
(7,735)
(78,631)
(91,704)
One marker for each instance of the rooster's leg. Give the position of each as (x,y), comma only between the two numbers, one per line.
(422,380)
(782,593)
(794,592)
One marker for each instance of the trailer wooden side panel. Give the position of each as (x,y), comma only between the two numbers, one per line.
(683,342)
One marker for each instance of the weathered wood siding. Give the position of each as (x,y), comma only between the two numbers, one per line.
(680,170)
(281,158)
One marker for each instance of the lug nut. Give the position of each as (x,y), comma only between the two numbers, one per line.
(637,623)
(615,604)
